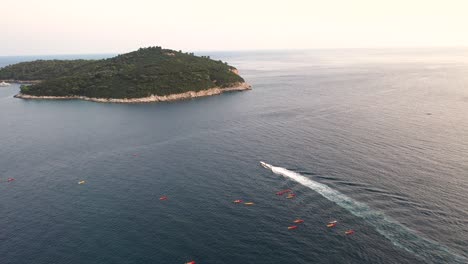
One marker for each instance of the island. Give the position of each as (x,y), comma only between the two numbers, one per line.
(150,74)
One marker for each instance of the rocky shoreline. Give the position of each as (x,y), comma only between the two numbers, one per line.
(149,99)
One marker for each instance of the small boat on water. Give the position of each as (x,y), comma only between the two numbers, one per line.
(249,203)
(331,225)
(237,201)
(81,182)
(298,221)
(163,198)
(10,179)
(349,232)
(333,222)
(292,227)
(290,196)
(283,192)
(3,84)
(190,262)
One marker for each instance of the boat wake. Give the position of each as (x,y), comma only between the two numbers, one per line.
(401,236)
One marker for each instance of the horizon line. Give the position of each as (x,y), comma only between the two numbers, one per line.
(252,50)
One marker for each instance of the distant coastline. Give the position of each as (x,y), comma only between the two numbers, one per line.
(150,99)
(21,81)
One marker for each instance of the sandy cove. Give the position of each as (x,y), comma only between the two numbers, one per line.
(149,99)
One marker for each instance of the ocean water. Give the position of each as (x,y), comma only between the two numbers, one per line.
(375,139)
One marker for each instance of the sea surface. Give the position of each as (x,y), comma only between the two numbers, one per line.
(375,139)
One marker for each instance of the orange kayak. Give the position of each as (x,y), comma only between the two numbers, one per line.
(331,225)
(249,203)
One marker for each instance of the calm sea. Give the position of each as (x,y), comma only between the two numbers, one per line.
(375,139)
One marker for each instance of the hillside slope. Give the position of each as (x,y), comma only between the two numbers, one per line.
(142,73)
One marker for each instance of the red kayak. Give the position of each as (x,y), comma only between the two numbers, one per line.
(292,227)
(237,201)
(10,179)
(331,225)
(283,192)
(349,232)
(163,198)
(191,262)
(298,221)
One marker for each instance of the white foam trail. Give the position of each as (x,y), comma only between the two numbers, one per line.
(398,234)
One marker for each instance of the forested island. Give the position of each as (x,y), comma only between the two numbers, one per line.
(146,75)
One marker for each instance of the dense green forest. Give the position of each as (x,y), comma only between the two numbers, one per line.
(136,74)
(40,69)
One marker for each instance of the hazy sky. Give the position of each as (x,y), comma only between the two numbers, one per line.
(114,26)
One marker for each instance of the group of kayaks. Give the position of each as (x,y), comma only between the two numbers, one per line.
(288,191)
(333,224)
(240,201)
(330,224)
(296,222)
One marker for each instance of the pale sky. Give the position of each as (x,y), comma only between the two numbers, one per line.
(40,27)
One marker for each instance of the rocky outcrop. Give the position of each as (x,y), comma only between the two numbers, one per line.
(234,70)
(149,99)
